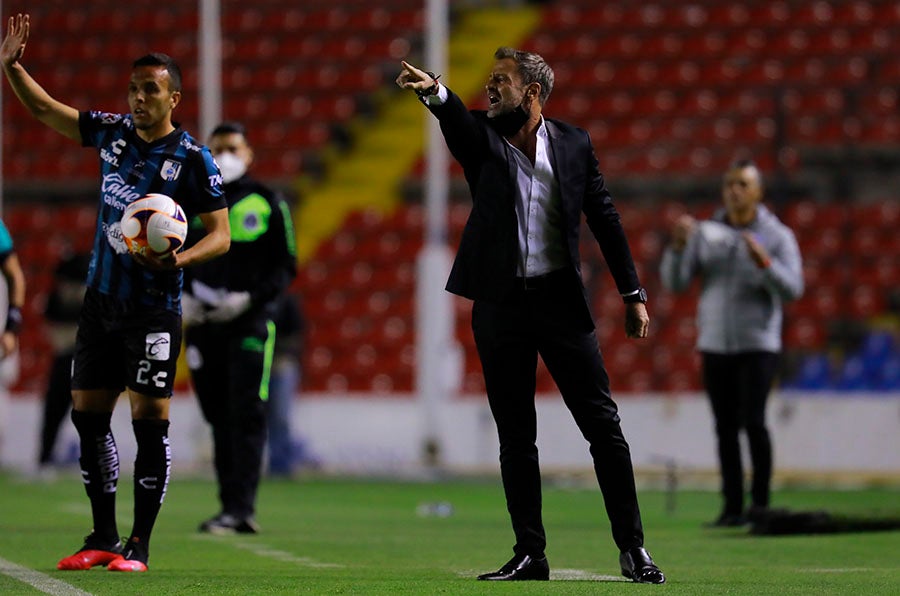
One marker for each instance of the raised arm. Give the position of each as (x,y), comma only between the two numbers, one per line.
(57,115)
(677,265)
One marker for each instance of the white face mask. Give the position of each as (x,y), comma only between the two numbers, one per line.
(231,166)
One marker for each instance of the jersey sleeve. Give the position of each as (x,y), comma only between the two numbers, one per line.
(6,242)
(95,125)
(205,192)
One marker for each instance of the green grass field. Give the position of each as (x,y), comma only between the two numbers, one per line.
(336,536)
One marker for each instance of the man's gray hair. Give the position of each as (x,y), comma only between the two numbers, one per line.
(532,68)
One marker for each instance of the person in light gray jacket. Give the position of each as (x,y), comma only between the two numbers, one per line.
(749,264)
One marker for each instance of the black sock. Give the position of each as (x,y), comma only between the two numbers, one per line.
(151,476)
(99,469)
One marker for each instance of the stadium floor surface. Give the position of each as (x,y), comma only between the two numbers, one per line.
(323,535)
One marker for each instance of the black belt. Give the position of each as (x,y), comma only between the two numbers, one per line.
(540,282)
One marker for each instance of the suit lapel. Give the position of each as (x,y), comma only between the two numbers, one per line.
(559,157)
(555,136)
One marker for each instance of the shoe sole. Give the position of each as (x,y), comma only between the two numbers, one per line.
(228,530)
(218,531)
(126,565)
(643,581)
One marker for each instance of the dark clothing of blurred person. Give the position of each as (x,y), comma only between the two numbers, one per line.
(286,451)
(531,179)
(750,265)
(129,329)
(61,316)
(230,335)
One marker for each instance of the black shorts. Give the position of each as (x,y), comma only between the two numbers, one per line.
(123,345)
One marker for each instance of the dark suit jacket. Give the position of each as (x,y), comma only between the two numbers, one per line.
(485,264)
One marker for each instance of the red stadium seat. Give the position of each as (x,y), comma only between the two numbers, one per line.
(855,12)
(866,301)
(825,303)
(805,333)
(727,15)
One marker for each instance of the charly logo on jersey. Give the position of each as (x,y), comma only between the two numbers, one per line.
(157,346)
(115,148)
(170,170)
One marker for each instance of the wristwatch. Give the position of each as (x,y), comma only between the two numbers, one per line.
(428,91)
(639,296)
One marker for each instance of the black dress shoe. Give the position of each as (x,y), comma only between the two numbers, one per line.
(520,567)
(639,567)
(727,520)
(758,514)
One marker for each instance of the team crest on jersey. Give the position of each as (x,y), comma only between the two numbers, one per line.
(107,118)
(170,170)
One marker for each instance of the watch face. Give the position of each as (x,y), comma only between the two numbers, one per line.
(640,296)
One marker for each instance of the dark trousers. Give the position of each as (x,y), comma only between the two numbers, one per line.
(230,372)
(509,336)
(738,386)
(57,401)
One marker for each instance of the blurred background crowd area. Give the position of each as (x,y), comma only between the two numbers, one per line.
(671,92)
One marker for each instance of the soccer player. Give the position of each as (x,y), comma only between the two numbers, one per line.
(129,330)
(229,307)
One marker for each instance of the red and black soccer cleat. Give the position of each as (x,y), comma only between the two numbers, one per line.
(94,552)
(134,558)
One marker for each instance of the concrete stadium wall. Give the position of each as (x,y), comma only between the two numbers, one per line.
(846,436)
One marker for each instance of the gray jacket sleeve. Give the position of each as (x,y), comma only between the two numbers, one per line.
(677,269)
(784,276)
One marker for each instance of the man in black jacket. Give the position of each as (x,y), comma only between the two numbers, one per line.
(229,305)
(530,179)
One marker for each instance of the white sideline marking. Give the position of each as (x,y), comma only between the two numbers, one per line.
(582,575)
(39,581)
(261,550)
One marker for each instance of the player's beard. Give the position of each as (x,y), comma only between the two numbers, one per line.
(509,123)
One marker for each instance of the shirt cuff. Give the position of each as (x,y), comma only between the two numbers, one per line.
(438,98)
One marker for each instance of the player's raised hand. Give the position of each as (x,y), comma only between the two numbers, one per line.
(682,230)
(13,46)
(757,251)
(412,78)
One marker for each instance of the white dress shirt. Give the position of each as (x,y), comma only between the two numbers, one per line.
(538,210)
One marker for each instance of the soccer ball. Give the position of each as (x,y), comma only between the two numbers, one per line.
(154,224)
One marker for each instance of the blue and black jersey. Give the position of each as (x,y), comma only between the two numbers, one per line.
(175,165)
(6,242)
